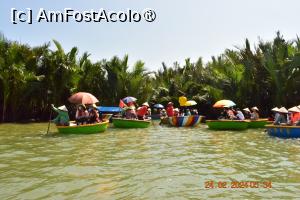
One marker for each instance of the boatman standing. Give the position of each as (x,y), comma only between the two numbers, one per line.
(62,118)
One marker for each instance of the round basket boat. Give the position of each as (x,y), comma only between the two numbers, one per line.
(283,131)
(260,123)
(83,129)
(131,123)
(185,121)
(227,124)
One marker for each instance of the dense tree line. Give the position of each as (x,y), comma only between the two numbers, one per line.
(31,78)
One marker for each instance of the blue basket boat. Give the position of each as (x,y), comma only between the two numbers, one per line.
(283,131)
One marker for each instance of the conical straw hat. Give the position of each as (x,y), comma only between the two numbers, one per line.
(294,109)
(283,110)
(246,109)
(63,108)
(255,108)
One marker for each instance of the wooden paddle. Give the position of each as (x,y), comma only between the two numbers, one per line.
(49,122)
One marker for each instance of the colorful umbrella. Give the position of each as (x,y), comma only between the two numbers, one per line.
(224,103)
(129,99)
(83,98)
(159,106)
(190,103)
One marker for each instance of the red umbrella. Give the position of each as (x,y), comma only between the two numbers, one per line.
(83,98)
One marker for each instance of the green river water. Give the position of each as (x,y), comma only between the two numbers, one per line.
(154,163)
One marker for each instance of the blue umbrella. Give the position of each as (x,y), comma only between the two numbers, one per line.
(129,99)
(158,106)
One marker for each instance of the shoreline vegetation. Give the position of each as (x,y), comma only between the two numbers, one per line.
(31,78)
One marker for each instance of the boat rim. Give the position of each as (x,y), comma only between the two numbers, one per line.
(281,126)
(84,125)
(227,120)
(147,120)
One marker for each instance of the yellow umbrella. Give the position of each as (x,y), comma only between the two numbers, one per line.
(182,100)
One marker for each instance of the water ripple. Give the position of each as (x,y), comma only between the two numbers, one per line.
(158,162)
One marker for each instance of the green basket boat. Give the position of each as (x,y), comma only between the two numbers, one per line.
(260,123)
(83,129)
(130,123)
(227,124)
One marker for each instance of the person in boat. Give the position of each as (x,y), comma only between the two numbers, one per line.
(170,109)
(163,113)
(254,114)
(274,115)
(149,113)
(294,115)
(194,112)
(181,112)
(143,111)
(94,116)
(62,118)
(282,117)
(230,114)
(82,115)
(239,114)
(188,112)
(223,114)
(176,112)
(130,112)
(247,113)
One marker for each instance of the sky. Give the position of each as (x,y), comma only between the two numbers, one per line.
(182,29)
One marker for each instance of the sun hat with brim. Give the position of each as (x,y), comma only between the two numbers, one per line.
(283,110)
(275,109)
(255,108)
(145,104)
(170,103)
(246,109)
(294,109)
(63,108)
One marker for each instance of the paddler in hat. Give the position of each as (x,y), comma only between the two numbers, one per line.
(62,118)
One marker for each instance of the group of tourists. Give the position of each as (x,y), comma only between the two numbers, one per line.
(141,113)
(236,114)
(87,115)
(282,116)
(171,111)
(84,115)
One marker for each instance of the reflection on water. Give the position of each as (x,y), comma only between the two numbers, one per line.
(158,162)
